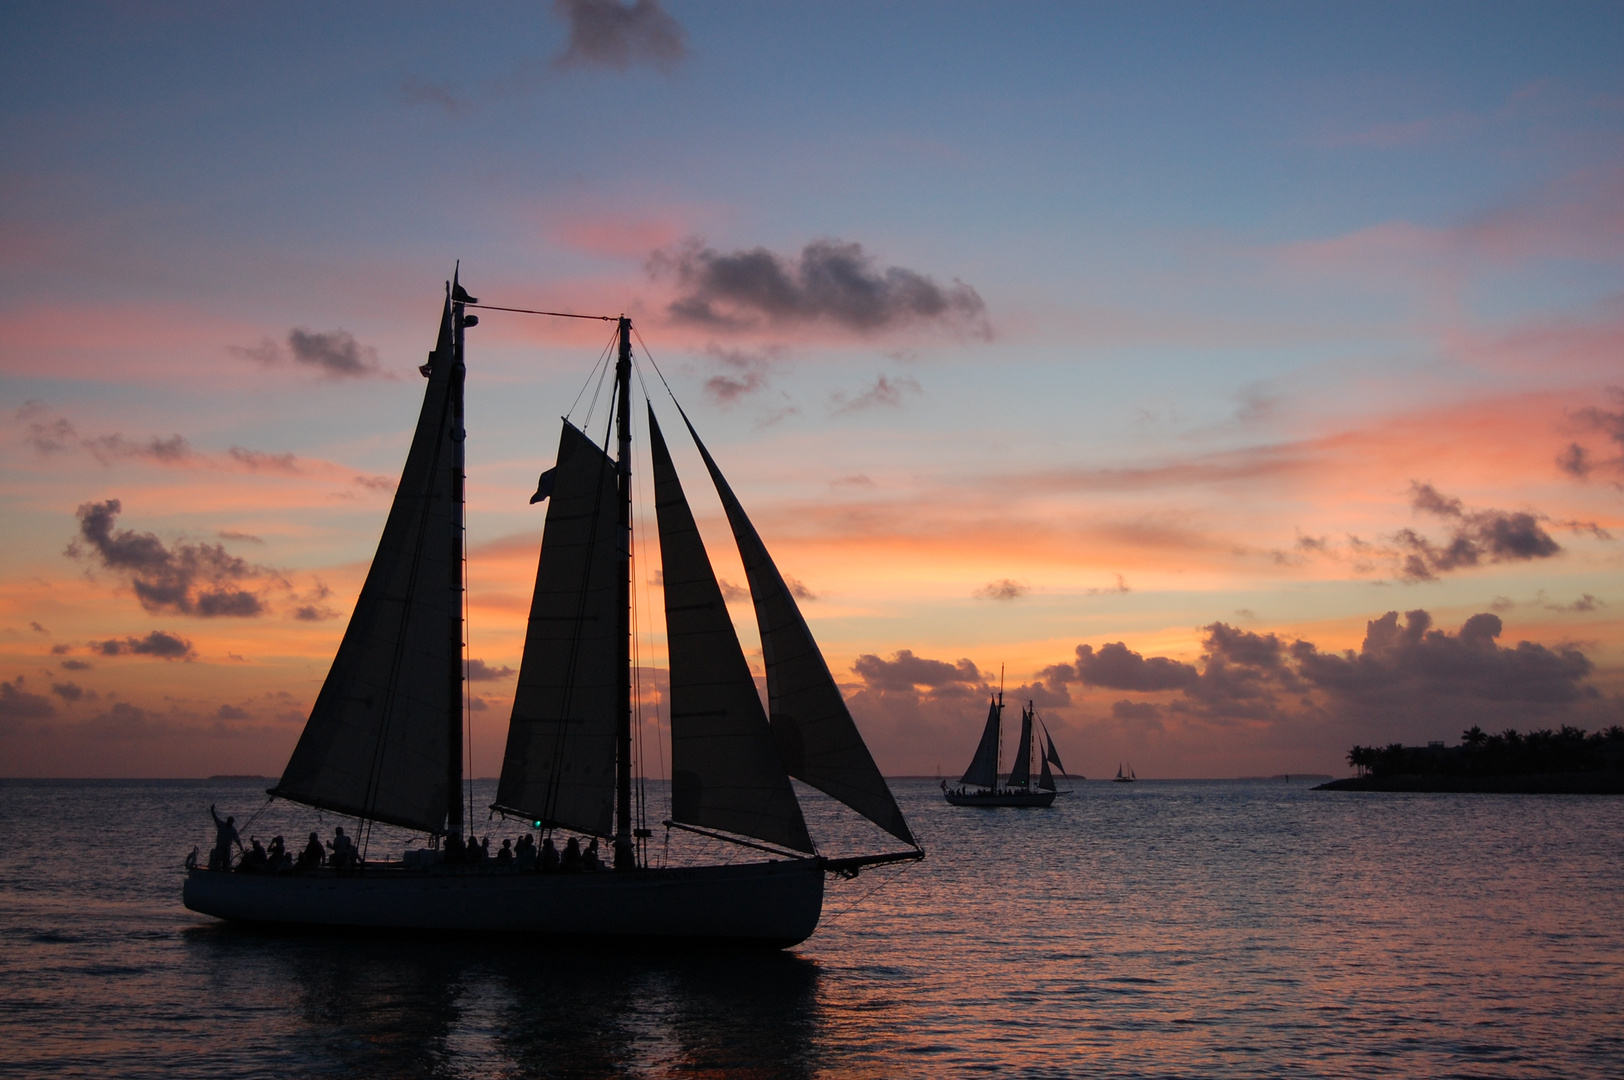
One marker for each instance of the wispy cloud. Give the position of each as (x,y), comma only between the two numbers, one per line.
(1003,589)
(886,393)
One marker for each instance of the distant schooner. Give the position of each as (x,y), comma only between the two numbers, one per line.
(981,778)
(384,739)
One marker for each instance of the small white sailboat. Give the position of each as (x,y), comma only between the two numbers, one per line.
(384,739)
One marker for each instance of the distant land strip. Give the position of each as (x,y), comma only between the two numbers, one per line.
(1569,761)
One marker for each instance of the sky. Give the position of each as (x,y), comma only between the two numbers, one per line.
(1237,383)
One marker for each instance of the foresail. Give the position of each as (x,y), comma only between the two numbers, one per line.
(817,739)
(376,742)
(1020,773)
(1051,755)
(725,769)
(983,770)
(1046,778)
(559,766)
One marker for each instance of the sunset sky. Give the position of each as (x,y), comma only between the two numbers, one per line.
(1243,381)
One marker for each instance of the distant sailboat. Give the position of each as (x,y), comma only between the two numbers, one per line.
(981,778)
(384,740)
(1124,778)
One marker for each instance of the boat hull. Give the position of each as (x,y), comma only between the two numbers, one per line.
(1001,798)
(770,904)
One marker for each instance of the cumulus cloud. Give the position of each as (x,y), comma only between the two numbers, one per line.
(1117,667)
(609,33)
(334,353)
(1477,536)
(831,281)
(157,643)
(17,704)
(188,579)
(904,671)
(69,691)
(480,671)
(1406,671)
(1002,589)
(1136,710)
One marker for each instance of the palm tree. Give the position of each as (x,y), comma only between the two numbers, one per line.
(1474,736)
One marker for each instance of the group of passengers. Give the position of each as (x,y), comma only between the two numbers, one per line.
(340,853)
(525,855)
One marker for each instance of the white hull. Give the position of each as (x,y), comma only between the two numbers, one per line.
(774,904)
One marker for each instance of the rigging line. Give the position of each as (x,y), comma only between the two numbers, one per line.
(887,880)
(532,311)
(651,360)
(603,361)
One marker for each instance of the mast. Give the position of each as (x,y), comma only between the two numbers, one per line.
(459,465)
(998,754)
(625,857)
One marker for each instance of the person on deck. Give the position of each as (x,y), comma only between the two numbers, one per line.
(312,856)
(343,850)
(278,854)
(504,857)
(590,861)
(225,834)
(254,860)
(571,862)
(549,856)
(524,854)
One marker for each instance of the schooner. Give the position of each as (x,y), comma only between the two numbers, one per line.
(384,739)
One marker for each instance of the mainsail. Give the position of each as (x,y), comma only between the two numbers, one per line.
(817,739)
(1020,774)
(725,768)
(376,743)
(559,766)
(983,770)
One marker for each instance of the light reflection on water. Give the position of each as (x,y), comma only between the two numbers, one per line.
(1158,929)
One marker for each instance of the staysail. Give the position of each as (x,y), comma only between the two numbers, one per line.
(725,768)
(559,766)
(376,743)
(983,770)
(1020,774)
(817,739)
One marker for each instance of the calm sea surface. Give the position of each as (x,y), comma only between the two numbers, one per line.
(1154,929)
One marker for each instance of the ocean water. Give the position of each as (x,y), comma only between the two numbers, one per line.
(1160,929)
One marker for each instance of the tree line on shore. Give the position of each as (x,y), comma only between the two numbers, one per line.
(1509,753)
